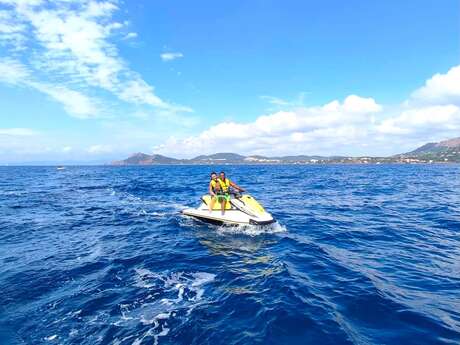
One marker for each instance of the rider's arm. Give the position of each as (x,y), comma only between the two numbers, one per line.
(234,185)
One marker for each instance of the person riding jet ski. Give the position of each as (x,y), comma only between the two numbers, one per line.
(236,208)
(219,189)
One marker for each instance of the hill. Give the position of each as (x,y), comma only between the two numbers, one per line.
(441,152)
(145,159)
(218,157)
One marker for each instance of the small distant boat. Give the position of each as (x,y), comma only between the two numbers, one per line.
(60,168)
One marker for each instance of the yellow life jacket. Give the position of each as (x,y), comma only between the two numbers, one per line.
(213,185)
(224,185)
(218,184)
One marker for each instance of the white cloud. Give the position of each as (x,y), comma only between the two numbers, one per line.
(440,89)
(20,132)
(431,118)
(285,132)
(100,149)
(66,149)
(70,45)
(100,9)
(171,56)
(356,104)
(355,126)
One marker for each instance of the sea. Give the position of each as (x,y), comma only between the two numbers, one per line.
(360,254)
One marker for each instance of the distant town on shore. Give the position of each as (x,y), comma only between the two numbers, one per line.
(447,151)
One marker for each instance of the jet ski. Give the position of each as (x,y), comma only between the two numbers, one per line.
(240,210)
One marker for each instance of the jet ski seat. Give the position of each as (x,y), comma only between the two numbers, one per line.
(217,206)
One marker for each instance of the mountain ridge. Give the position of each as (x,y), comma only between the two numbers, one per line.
(440,152)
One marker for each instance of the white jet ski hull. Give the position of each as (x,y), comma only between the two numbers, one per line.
(239,213)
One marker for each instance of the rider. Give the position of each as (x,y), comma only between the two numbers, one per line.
(219,190)
(225,185)
(214,190)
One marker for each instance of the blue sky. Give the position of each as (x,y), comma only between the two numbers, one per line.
(97,80)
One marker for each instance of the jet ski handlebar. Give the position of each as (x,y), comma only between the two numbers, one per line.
(235,193)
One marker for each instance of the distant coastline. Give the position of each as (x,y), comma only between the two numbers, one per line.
(447,151)
(444,152)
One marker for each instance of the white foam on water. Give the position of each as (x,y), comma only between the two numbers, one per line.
(156,332)
(157,214)
(150,333)
(202,278)
(174,294)
(145,278)
(177,206)
(51,337)
(123,340)
(147,207)
(163,333)
(252,230)
(124,309)
(186,221)
(143,212)
(155,319)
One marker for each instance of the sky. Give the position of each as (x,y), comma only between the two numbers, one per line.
(94,81)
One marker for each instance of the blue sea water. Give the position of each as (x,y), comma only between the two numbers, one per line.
(101,255)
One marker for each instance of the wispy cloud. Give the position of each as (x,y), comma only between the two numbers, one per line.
(74,102)
(278,102)
(275,100)
(70,47)
(171,56)
(11,31)
(100,149)
(20,132)
(13,72)
(130,35)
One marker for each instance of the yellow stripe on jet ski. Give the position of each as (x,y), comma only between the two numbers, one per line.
(252,204)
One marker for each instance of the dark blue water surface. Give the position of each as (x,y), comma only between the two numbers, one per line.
(101,255)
